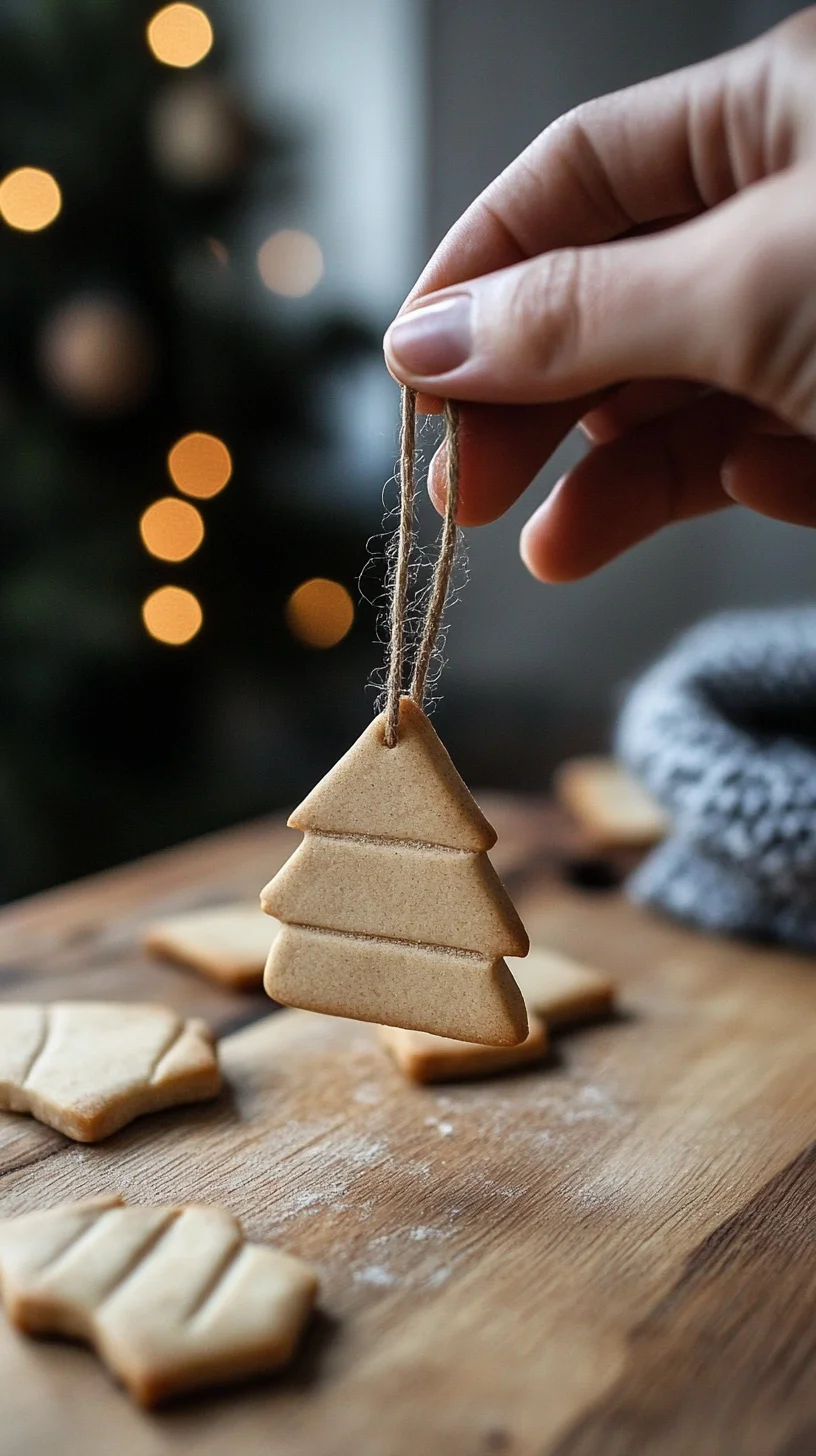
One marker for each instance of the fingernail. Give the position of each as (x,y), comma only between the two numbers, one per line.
(432,340)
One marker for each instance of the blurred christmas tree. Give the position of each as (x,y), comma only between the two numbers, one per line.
(124,331)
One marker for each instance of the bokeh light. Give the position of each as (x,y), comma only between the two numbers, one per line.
(30,199)
(200,465)
(290,263)
(320,612)
(180,35)
(172,615)
(98,352)
(219,251)
(171,529)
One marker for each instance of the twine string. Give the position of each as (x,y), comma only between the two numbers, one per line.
(444,561)
(405,541)
(440,583)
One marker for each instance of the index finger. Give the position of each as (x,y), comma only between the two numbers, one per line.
(621,162)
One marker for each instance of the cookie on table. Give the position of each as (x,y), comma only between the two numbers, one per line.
(562,990)
(227,943)
(88,1067)
(612,808)
(427,1058)
(171,1298)
(558,992)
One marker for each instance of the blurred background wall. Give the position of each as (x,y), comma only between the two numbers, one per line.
(236,224)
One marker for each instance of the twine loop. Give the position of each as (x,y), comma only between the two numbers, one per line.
(440,583)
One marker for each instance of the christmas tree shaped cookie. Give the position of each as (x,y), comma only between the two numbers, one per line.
(391,910)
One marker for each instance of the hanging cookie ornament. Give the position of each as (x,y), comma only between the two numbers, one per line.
(391,910)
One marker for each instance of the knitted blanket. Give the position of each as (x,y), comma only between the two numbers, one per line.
(722,731)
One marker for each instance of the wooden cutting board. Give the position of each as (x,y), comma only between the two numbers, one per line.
(613,1253)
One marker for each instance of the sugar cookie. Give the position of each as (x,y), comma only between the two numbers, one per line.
(392,911)
(612,808)
(558,992)
(433,990)
(426,1058)
(88,1067)
(228,943)
(171,1298)
(560,989)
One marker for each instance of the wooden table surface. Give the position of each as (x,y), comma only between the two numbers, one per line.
(610,1255)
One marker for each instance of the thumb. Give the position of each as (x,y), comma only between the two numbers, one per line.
(728,299)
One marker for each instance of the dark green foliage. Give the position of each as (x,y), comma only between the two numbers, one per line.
(112,744)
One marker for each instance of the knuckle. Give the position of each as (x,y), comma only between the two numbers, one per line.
(571,127)
(576,137)
(547,311)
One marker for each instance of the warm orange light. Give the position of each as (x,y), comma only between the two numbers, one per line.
(172,615)
(200,465)
(30,199)
(172,529)
(180,35)
(320,612)
(291,263)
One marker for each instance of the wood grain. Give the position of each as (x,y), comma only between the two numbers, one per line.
(727,1337)
(608,1254)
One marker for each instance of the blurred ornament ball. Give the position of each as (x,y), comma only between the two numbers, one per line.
(197,134)
(98,354)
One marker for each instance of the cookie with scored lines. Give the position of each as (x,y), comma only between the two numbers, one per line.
(88,1067)
(171,1298)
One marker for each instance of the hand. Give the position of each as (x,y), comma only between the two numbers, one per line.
(646,267)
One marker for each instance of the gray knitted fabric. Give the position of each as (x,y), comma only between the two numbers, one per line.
(723,732)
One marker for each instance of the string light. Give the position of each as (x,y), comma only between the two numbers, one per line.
(30,199)
(171,529)
(180,35)
(290,263)
(200,465)
(172,615)
(320,612)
